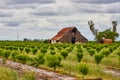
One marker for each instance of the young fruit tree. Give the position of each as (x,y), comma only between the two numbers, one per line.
(53,61)
(83,69)
(98,58)
(38,60)
(79,56)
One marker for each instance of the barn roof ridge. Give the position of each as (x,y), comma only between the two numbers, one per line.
(62,32)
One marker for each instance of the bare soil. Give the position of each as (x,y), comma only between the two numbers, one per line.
(40,73)
(113,71)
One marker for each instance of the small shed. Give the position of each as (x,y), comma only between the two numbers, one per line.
(106,41)
(69,35)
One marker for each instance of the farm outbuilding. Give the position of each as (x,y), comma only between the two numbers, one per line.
(106,41)
(69,35)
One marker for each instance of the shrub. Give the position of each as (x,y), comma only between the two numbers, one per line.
(79,50)
(111,49)
(6,54)
(69,50)
(85,46)
(52,52)
(43,50)
(59,48)
(98,49)
(39,59)
(7,47)
(91,52)
(22,58)
(64,53)
(11,47)
(21,49)
(98,58)
(34,51)
(15,48)
(1,52)
(51,48)
(88,48)
(118,53)
(27,50)
(64,46)
(105,52)
(79,56)
(83,69)
(53,61)
(14,55)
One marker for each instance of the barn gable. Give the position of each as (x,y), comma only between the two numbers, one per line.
(69,35)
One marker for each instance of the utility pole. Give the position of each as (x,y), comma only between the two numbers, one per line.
(17,34)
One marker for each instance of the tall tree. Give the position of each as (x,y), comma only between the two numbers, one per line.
(108,34)
(93,30)
(114,23)
(91,25)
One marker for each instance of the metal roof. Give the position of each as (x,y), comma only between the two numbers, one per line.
(61,33)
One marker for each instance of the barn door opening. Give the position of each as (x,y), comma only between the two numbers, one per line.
(73,40)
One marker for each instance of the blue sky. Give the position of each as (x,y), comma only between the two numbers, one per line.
(42,19)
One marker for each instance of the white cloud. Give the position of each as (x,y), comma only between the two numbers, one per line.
(44,18)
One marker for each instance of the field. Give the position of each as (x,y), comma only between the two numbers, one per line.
(89,60)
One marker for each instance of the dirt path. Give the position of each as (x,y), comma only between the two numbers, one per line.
(40,73)
(113,71)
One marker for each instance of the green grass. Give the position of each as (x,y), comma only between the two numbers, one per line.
(10,74)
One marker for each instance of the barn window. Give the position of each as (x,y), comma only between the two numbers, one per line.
(73,40)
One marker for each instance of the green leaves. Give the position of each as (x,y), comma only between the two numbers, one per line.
(83,68)
(14,55)
(22,58)
(79,56)
(53,61)
(105,52)
(34,51)
(64,53)
(52,52)
(1,52)
(107,34)
(38,60)
(6,54)
(21,49)
(118,53)
(43,50)
(27,50)
(91,52)
(98,58)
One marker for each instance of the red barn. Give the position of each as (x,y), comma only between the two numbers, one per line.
(106,41)
(69,35)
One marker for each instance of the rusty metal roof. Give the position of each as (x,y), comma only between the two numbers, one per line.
(62,33)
